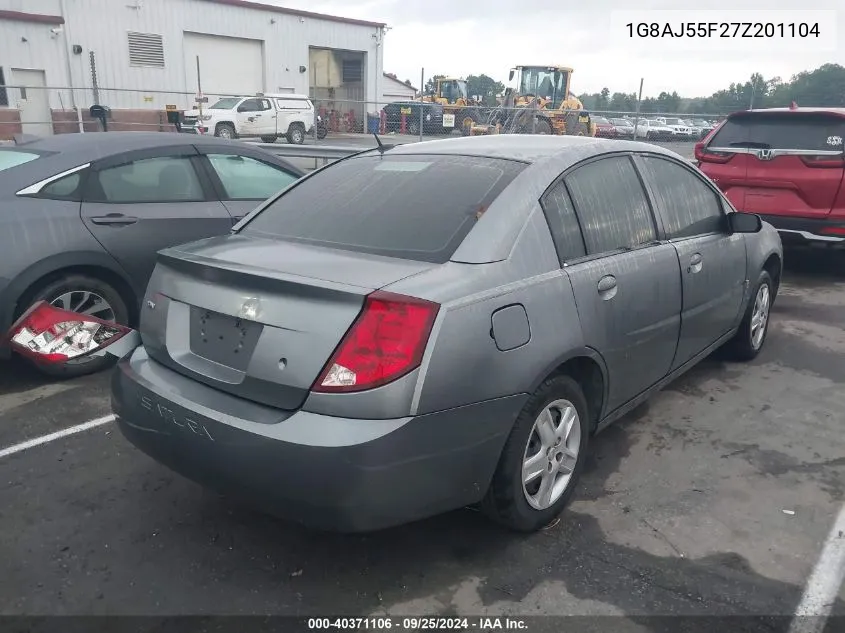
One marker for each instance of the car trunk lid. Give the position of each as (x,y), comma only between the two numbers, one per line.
(778,162)
(258,318)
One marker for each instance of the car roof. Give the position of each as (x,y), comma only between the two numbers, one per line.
(528,148)
(805,110)
(547,156)
(66,151)
(100,144)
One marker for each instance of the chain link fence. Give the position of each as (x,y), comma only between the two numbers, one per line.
(41,111)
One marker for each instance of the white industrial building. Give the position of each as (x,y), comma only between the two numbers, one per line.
(141,55)
(395,90)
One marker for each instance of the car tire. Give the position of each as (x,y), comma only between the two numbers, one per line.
(225,130)
(507,500)
(749,339)
(52,291)
(270,138)
(296,134)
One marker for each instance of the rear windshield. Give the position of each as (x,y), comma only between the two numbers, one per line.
(817,132)
(414,207)
(12,158)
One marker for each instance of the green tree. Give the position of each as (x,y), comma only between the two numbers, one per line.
(603,100)
(484,88)
(431,84)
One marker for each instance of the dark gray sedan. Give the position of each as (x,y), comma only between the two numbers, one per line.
(419,328)
(82,215)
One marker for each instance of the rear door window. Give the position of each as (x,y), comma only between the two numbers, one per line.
(785,131)
(687,205)
(563,222)
(417,207)
(611,205)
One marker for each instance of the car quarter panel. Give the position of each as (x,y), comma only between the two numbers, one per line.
(463,363)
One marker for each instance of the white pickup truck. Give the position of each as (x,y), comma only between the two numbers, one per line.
(268,116)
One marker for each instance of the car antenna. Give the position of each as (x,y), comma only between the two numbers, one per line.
(382,148)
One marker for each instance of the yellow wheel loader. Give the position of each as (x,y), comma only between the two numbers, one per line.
(459,110)
(542,103)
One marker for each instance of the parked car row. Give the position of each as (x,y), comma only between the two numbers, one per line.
(652,129)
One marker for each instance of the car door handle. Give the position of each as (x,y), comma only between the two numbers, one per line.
(114,219)
(694,263)
(607,287)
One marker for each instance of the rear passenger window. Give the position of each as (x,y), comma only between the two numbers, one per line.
(563,222)
(611,205)
(687,206)
(63,188)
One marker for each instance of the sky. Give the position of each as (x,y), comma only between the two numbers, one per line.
(462,37)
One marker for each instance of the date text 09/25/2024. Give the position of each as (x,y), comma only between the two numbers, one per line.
(768,30)
(418,623)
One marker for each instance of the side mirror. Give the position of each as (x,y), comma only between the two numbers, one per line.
(745,222)
(510,76)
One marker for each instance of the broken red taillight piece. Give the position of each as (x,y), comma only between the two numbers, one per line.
(50,335)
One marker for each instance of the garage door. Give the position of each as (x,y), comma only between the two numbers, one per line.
(229,65)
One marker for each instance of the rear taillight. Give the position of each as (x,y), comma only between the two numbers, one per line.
(51,335)
(704,155)
(385,342)
(822,160)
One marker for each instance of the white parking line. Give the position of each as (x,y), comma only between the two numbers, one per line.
(824,583)
(44,439)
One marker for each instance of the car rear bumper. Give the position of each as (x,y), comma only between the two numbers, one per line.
(807,231)
(337,474)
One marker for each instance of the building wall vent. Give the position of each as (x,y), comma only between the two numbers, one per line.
(146,50)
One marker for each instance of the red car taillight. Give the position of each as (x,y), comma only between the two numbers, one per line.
(821,160)
(51,335)
(385,342)
(703,155)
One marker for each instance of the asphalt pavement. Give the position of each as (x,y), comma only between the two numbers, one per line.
(714,498)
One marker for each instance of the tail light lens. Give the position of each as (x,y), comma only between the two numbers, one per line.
(822,160)
(704,155)
(385,342)
(51,335)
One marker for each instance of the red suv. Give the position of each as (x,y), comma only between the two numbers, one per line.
(785,164)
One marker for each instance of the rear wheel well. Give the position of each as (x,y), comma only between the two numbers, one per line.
(773,266)
(98,272)
(587,373)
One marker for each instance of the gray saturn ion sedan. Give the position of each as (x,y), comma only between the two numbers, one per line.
(419,328)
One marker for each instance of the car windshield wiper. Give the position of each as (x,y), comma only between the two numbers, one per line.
(750,144)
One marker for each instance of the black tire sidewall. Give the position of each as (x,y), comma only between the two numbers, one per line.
(294,131)
(50,291)
(506,500)
(227,126)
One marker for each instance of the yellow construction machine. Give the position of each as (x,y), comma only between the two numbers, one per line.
(542,103)
(459,110)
